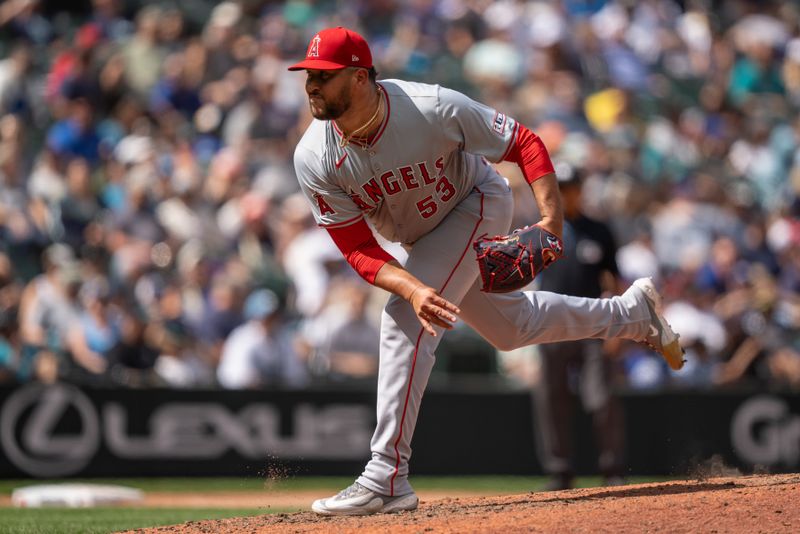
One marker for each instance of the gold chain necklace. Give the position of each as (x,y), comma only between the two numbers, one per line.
(345,140)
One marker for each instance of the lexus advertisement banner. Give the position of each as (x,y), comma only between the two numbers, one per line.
(65,431)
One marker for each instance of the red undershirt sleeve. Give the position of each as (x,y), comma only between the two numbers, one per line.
(360,249)
(530,154)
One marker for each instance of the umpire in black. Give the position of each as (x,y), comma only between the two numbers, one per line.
(579,368)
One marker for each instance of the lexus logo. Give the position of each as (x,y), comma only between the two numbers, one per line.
(32,433)
(53,431)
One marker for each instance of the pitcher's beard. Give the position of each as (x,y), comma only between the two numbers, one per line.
(328,111)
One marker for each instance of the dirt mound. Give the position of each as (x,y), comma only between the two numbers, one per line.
(765,503)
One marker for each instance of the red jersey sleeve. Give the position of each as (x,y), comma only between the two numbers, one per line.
(360,249)
(528,151)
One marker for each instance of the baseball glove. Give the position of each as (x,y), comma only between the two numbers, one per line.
(510,262)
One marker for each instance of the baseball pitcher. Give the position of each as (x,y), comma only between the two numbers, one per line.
(413,162)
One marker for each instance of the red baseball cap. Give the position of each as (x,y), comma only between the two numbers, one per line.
(336,48)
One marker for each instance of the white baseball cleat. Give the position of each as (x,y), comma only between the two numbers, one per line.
(358,500)
(661,338)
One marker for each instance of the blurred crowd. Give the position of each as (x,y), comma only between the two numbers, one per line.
(152,233)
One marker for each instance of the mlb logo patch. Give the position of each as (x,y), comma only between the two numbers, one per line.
(499,123)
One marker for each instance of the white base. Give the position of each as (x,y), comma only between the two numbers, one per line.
(74,495)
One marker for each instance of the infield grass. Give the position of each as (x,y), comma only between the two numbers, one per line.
(103,520)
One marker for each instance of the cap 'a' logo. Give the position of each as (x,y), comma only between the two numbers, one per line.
(313,50)
(355,58)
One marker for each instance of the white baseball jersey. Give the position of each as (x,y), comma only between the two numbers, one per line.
(425,158)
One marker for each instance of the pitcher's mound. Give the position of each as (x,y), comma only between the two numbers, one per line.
(763,503)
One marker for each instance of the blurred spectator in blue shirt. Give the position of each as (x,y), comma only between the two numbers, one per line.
(260,353)
(76,136)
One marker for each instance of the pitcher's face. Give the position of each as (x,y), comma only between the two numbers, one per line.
(329,92)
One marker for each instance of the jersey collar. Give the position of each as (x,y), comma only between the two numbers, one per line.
(373,139)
